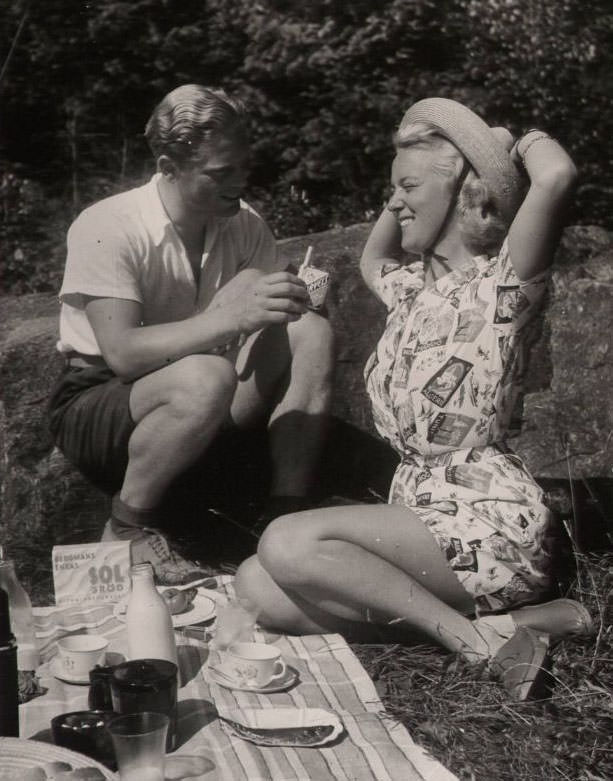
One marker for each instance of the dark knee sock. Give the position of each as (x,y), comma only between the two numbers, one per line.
(123,515)
(277,506)
(284,505)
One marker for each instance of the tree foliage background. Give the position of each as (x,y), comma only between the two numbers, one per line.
(326,81)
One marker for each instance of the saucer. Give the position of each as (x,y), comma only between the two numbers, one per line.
(57,671)
(202,609)
(278,685)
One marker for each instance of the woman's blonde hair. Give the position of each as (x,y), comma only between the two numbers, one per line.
(482,226)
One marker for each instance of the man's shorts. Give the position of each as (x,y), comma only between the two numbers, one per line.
(89,417)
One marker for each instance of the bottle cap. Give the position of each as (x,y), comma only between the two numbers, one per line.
(6,636)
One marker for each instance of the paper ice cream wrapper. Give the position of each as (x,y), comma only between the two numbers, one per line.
(317,282)
(91,573)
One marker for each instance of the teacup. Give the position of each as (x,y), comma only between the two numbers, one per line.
(253,664)
(78,654)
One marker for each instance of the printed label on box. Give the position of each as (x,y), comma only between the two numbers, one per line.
(91,574)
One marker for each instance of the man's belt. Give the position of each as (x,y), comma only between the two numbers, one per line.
(81,361)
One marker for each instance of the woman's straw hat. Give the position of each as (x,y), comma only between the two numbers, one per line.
(480,144)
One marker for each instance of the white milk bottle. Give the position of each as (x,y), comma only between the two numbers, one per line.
(148,620)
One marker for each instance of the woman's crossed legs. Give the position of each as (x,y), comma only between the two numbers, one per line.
(360,567)
(333,568)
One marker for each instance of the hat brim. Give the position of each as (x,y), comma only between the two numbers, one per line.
(476,141)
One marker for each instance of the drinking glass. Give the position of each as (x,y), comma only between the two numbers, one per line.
(235,623)
(139,741)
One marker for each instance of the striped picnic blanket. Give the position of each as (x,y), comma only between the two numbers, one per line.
(374,747)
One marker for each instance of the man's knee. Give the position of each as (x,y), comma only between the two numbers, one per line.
(311,342)
(202,385)
(312,332)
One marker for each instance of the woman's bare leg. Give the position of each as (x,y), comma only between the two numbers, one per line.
(355,564)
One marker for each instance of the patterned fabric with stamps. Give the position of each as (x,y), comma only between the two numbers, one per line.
(445,385)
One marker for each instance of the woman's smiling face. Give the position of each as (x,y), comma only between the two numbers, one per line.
(421,197)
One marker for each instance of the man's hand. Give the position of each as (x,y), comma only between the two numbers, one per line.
(254,300)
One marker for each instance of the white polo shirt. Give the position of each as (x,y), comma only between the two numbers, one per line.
(126,247)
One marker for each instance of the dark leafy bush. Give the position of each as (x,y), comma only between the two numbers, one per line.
(30,241)
(326,82)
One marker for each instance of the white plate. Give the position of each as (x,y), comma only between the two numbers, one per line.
(57,671)
(278,685)
(20,754)
(284,726)
(201,609)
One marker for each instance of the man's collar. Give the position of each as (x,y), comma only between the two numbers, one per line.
(155,216)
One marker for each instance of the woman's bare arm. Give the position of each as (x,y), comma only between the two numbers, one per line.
(382,247)
(536,229)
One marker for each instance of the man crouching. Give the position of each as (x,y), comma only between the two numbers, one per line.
(179,320)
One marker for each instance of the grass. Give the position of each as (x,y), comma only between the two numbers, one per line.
(472,728)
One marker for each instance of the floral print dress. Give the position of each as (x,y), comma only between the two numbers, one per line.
(445,381)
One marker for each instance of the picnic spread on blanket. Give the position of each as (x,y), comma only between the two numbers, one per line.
(278,708)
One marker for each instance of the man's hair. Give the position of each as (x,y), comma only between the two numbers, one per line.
(188,118)
(482,226)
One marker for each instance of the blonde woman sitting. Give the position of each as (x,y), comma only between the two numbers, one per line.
(460,258)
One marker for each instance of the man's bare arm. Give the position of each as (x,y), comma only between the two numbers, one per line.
(247,303)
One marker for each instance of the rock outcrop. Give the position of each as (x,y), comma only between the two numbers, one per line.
(568,408)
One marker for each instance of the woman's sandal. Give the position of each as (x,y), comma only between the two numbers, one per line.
(559,611)
(521,664)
